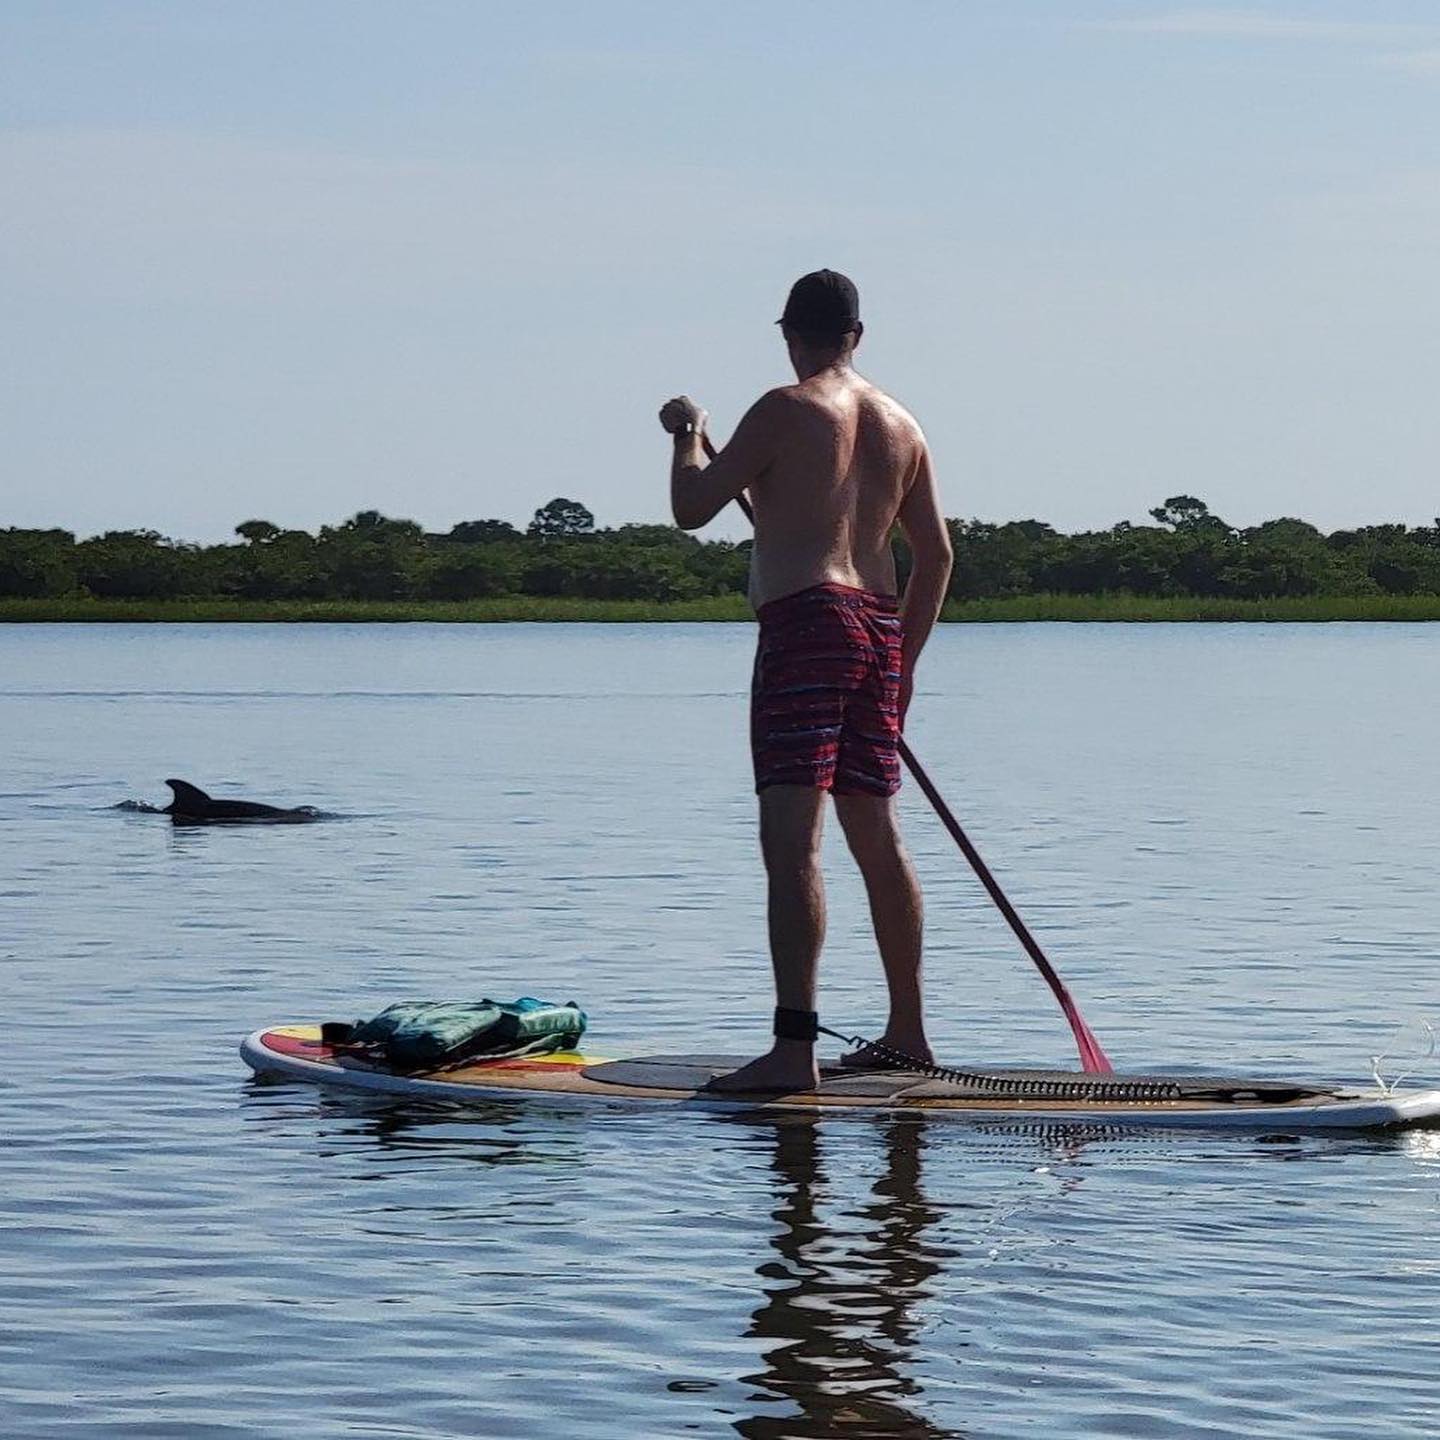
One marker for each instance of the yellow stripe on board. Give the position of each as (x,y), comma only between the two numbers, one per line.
(558,1057)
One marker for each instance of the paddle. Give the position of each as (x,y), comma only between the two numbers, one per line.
(1092,1058)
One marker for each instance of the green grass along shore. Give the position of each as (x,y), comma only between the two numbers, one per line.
(1131,608)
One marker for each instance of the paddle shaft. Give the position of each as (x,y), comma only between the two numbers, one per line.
(1092,1056)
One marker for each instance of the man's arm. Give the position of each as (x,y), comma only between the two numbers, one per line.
(929,541)
(699,492)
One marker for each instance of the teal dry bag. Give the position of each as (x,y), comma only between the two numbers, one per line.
(432,1034)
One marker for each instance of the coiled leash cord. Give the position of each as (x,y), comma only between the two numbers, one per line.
(805,1025)
(1022,1086)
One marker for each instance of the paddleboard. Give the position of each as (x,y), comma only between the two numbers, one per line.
(296,1052)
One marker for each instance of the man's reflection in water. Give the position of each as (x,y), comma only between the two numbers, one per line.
(841,1300)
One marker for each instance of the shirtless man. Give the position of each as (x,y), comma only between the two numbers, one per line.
(831,464)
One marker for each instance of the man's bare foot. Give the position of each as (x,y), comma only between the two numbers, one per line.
(788,1069)
(867,1057)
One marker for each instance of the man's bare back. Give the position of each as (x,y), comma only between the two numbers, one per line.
(845,457)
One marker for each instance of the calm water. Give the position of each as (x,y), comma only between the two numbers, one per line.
(1226,835)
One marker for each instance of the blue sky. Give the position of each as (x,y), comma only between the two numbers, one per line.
(294,258)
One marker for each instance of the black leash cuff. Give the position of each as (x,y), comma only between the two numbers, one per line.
(796,1024)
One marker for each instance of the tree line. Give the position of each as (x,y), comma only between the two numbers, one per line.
(1188,551)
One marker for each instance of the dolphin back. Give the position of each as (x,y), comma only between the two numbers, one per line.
(192,805)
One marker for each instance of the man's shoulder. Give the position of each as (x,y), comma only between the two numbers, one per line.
(779,411)
(894,412)
(787,400)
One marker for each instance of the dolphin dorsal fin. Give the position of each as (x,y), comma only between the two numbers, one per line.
(189,799)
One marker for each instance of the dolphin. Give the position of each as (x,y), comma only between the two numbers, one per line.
(192,806)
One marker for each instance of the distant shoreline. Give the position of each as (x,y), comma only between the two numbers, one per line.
(500,610)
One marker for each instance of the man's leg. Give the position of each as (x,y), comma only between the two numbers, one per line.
(791,820)
(897,912)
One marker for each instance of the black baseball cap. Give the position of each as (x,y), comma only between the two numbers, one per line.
(824,302)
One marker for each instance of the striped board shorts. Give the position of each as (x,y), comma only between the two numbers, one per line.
(825,702)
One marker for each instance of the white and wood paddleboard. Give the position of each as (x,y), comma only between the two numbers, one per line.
(296,1052)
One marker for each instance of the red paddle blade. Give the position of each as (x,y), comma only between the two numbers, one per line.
(1093,1059)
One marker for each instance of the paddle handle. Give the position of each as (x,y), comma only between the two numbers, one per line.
(1092,1057)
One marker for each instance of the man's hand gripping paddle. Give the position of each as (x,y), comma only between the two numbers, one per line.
(1092,1058)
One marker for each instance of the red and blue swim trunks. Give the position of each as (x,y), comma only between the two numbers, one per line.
(825,704)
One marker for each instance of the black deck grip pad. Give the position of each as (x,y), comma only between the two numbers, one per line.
(686,1073)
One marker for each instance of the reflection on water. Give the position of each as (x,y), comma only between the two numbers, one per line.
(847,1324)
(841,1318)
